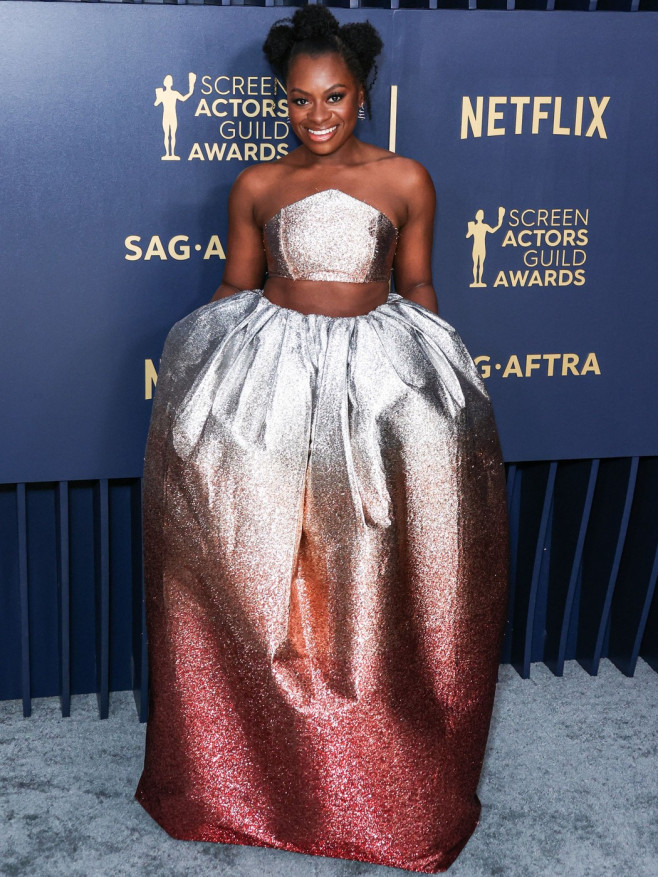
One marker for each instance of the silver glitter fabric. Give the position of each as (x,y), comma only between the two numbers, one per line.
(307,240)
(326,575)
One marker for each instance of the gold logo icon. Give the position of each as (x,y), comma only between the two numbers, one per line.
(478,230)
(168,97)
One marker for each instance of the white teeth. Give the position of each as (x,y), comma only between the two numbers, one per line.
(324,130)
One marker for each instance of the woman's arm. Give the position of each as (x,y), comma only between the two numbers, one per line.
(412,265)
(245,255)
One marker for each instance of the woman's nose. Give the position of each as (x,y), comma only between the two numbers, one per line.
(319,113)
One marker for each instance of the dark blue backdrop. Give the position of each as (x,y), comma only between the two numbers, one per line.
(104,244)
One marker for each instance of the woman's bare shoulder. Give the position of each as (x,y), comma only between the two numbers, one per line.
(410,175)
(404,176)
(256,180)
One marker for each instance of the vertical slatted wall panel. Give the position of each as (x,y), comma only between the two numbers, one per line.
(64,593)
(21,522)
(556,660)
(513,499)
(139,640)
(637,573)
(102,558)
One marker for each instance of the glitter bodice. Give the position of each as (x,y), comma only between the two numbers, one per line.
(330,236)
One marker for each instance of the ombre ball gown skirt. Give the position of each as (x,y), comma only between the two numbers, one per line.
(326,582)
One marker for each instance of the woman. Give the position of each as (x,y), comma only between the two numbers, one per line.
(325,524)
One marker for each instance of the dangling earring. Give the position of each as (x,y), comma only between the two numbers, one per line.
(362,112)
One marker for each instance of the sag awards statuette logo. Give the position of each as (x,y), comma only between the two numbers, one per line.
(168,97)
(479,230)
(244,118)
(544,247)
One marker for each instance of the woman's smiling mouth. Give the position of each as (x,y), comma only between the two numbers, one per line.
(321,134)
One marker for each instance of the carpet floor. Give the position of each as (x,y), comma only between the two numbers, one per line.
(569,787)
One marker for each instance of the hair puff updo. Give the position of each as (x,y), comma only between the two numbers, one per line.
(313,30)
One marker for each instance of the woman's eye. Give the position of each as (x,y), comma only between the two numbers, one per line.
(300,101)
(334,98)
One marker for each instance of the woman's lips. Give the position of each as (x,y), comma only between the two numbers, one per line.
(319,135)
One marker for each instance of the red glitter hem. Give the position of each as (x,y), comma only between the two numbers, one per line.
(435,864)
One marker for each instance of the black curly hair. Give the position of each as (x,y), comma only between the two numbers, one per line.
(313,30)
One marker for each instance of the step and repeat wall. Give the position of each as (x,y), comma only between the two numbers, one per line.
(123,128)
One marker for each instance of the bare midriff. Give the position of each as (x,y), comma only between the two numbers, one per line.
(328,297)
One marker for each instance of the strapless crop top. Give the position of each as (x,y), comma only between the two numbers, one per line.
(330,236)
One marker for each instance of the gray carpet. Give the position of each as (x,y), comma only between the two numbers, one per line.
(569,787)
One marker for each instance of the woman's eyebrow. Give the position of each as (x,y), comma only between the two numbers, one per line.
(331,88)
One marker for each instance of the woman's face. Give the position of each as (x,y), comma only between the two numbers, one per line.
(323,101)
